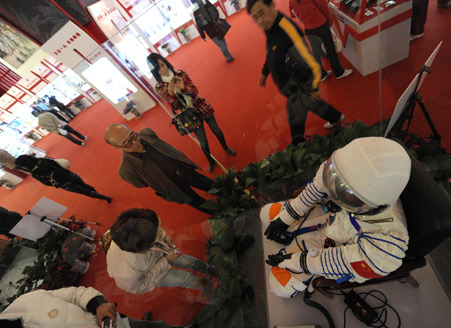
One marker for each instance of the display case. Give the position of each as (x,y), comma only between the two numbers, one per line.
(365,28)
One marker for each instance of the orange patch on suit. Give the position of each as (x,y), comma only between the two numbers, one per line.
(274,210)
(364,270)
(281,275)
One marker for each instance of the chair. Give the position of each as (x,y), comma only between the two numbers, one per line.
(428,213)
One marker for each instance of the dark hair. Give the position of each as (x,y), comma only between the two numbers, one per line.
(26,162)
(52,100)
(251,3)
(152,59)
(135,230)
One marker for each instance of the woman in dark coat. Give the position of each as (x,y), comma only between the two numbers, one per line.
(50,173)
(177,89)
(66,110)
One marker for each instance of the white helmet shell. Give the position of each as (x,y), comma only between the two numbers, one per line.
(376,169)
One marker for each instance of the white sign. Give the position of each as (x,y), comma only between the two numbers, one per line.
(32,226)
(108,17)
(70,45)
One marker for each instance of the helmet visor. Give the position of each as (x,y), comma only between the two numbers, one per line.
(340,193)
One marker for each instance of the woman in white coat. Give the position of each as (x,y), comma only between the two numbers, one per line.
(142,256)
(67,307)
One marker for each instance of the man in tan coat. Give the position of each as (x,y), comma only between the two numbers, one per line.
(51,123)
(148,161)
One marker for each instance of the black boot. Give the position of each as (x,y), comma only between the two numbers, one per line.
(230,151)
(95,194)
(211,161)
(226,148)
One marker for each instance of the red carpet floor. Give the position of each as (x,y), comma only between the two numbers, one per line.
(254,122)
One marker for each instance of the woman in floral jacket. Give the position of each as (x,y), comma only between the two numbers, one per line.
(177,89)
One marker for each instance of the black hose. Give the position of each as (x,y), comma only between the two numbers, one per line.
(309,302)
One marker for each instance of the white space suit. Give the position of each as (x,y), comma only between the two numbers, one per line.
(345,246)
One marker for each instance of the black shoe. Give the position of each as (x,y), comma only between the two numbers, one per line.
(109,199)
(230,151)
(147,316)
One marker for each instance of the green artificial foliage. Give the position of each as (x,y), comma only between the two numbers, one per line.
(57,252)
(274,179)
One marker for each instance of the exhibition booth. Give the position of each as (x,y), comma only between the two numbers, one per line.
(62,238)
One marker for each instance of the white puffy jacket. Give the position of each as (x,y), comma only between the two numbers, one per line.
(136,273)
(65,307)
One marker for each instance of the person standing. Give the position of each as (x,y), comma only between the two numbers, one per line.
(317,20)
(142,256)
(66,110)
(148,161)
(177,89)
(82,307)
(292,67)
(206,16)
(419,17)
(51,123)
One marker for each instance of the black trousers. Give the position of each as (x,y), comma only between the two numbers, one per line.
(202,136)
(191,178)
(298,105)
(419,16)
(71,131)
(324,33)
(66,110)
(57,114)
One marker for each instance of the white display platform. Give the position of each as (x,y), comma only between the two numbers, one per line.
(394,40)
(425,306)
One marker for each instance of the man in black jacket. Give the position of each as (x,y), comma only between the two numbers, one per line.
(206,17)
(293,68)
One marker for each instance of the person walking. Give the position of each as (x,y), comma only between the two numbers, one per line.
(51,173)
(317,20)
(206,17)
(292,67)
(177,89)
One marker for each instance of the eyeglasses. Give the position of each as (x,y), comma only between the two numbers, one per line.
(127,143)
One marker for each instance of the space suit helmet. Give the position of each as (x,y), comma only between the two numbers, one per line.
(366,174)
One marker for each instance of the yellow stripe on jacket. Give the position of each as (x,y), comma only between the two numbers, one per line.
(293,34)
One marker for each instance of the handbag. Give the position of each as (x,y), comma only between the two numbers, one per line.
(337,41)
(221,28)
(186,121)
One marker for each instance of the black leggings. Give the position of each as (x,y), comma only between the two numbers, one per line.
(80,187)
(202,136)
